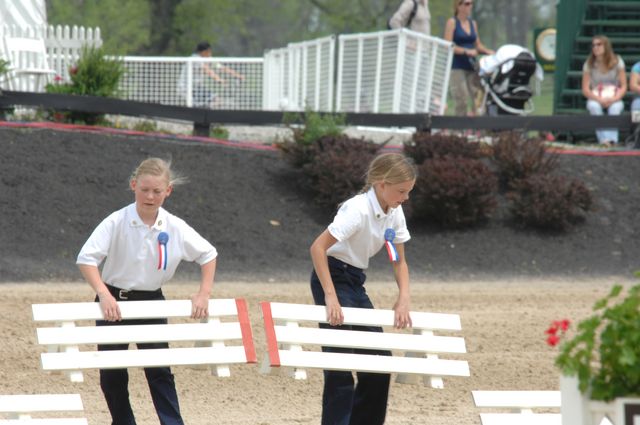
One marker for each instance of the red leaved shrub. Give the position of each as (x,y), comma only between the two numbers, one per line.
(424,146)
(454,192)
(339,167)
(516,158)
(549,202)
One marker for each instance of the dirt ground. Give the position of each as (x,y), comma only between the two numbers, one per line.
(503,323)
(506,283)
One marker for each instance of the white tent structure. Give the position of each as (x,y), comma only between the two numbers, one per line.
(23,13)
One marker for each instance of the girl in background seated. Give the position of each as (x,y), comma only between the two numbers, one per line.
(604,84)
(634,86)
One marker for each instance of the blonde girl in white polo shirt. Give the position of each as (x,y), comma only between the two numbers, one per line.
(362,226)
(143,245)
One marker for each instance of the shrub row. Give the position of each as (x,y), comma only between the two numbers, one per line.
(459,182)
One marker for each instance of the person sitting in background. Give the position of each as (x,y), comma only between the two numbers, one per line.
(634,87)
(604,84)
(463,32)
(412,14)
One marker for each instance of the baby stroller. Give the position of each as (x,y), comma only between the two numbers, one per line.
(505,77)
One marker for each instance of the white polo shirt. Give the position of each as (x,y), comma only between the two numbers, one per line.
(132,252)
(359,227)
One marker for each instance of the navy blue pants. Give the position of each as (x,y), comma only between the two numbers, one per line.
(345,402)
(115,382)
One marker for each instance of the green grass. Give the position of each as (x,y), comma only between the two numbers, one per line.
(543,102)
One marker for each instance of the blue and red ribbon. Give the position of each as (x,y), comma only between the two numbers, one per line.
(163,238)
(389,235)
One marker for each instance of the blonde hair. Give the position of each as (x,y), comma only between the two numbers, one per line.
(609,57)
(159,168)
(391,168)
(456,3)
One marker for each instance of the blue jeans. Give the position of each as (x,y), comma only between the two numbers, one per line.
(115,382)
(344,403)
(605,134)
(635,105)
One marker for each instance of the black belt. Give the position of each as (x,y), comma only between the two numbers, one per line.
(333,261)
(130,294)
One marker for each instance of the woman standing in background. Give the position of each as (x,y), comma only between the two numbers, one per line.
(464,80)
(414,15)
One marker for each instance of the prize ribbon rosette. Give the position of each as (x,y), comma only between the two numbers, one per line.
(389,235)
(163,238)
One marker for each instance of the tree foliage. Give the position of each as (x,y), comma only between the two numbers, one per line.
(249,27)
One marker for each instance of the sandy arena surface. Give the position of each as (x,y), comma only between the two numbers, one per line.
(503,325)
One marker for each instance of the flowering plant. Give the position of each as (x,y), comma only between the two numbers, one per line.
(604,353)
(95,74)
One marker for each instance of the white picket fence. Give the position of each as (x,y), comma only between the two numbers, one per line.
(63,43)
(397,71)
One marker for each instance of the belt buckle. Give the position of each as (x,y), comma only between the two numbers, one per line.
(123,294)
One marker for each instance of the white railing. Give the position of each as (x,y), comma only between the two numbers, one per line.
(398,71)
(185,81)
(63,43)
(300,76)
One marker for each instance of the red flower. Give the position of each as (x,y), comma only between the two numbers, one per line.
(553,340)
(557,329)
(73,70)
(57,78)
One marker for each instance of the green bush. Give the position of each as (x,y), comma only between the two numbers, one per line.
(339,167)
(306,130)
(219,132)
(4,67)
(549,202)
(424,146)
(93,75)
(454,192)
(517,158)
(146,126)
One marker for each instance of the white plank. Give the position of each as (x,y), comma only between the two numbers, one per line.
(43,421)
(521,419)
(130,310)
(374,340)
(140,333)
(367,317)
(22,403)
(516,399)
(372,363)
(143,358)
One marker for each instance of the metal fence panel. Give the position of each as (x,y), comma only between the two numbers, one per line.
(397,71)
(236,83)
(301,75)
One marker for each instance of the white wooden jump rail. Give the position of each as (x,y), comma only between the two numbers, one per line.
(286,338)
(521,404)
(19,409)
(209,336)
